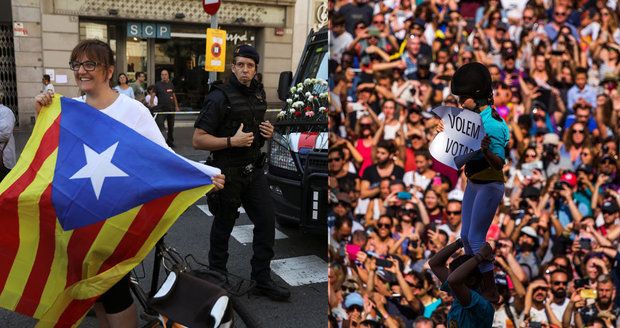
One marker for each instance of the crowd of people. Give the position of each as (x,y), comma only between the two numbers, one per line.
(554,238)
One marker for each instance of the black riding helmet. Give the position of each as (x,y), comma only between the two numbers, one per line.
(474,80)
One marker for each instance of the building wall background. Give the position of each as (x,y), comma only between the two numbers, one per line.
(52,30)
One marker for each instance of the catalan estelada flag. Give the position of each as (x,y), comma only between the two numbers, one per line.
(86,202)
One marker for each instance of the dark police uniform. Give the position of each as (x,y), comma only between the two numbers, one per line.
(225,108)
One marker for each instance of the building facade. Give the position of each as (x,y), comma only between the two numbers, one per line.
(149,36)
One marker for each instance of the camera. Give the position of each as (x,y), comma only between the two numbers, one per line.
(549,151)
(558,186)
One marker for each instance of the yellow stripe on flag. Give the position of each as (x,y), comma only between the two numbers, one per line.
(108,238)
(44,121)
(58,274)
(28,209)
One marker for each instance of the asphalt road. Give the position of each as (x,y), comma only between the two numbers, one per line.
(299,263)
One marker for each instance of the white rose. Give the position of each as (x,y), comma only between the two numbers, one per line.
(292,110)
(293,90)
(289,101)
(300,85)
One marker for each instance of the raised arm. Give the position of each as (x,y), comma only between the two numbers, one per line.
(438,261)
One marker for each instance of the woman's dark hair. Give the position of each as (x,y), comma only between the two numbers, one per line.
(95,50)
(119,78)
(150,87)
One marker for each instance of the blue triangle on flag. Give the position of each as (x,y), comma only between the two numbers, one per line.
(105,168)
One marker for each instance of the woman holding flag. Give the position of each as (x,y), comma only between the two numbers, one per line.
(485,187)
(92,62)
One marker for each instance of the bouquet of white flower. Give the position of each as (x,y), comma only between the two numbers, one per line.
(307,103)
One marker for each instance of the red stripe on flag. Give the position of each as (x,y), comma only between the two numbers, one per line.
(307,140)
(78,246)
(74,311)
(139,231)
(9,234)
(42,266)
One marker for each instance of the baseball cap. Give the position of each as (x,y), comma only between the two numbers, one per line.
(529,231)
(502,26)
(456,194)
(353,299)
(587,169)
(424,60)
(570,178)
(419,22)
(247,51)
(551,139)
(610,207)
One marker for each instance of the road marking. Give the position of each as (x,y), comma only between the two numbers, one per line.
(205,208)
(245,233)
(302,270)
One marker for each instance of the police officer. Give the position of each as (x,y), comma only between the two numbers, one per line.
(231,127)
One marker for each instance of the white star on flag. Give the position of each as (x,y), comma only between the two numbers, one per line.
(98,167)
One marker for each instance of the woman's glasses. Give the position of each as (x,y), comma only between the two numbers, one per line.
(88,65)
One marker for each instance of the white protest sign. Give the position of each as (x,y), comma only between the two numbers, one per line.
(460,140)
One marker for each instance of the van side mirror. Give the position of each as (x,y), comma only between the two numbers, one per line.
(286,78)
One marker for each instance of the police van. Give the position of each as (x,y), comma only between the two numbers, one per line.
(297,170)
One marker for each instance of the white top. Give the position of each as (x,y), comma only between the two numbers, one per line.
(127,92)
(48,87)
(135,115)
(147,100)
(7,123)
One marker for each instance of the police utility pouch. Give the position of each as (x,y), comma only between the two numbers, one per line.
(187,301)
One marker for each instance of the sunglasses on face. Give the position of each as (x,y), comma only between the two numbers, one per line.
(544,289)
(378,22)
(528,17)
(348,289)
(557,13)
(558,283)
(453,212)
(585,154)
(334,159)
(384,225)
(416,137)
(576,131)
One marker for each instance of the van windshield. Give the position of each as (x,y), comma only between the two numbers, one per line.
(315,63)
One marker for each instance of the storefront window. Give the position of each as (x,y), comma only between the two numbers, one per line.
(136,57)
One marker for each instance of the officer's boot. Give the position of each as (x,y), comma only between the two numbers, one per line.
(268,287)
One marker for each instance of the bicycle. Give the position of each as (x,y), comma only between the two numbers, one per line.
(171,260)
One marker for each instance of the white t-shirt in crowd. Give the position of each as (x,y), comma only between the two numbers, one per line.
(413,178)
(558,309)
(501,319)
(135,115)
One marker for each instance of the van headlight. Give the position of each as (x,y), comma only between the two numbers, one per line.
(280,153)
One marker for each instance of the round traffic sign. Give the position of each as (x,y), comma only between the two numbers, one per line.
(216,49)
(211,6)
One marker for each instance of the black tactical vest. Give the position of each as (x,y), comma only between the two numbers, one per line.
(241,108)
